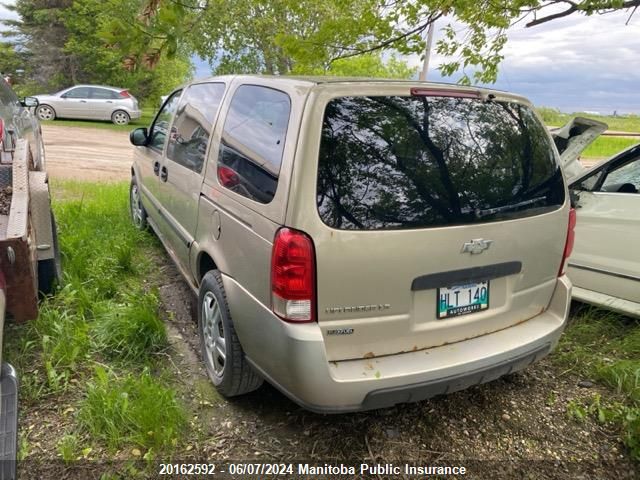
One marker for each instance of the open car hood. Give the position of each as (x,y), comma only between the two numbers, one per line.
(572,139)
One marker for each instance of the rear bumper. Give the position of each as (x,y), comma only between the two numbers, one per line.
(135,114)
(292,358)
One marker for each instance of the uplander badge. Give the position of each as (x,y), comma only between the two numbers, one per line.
(340,331)
(359,308)
(477,245)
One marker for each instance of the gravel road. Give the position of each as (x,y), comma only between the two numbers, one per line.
(87,153)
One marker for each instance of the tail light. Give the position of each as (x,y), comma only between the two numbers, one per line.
(568,246)
(227,177)
(125,94)
(293,276)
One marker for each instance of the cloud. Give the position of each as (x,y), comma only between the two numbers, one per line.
(576,63)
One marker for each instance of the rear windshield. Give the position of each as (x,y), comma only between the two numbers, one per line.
(414,162)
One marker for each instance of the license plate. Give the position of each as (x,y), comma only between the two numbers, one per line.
(463,299)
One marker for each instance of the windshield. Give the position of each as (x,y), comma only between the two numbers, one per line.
(392,162)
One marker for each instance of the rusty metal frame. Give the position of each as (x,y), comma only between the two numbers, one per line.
(18,255)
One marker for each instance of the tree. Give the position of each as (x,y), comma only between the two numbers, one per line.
(86,21)
(11,61)
(40,35)
(61,44)
(366,65)
(282,36)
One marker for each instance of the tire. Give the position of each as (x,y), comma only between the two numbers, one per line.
(50,270)
(230,373)
(120,117)
(136,209)
(45,112)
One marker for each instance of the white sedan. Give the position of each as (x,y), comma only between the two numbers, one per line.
(605,264)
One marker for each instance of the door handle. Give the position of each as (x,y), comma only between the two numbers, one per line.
(164,174)
(156,168)
(83,101)
(109,101)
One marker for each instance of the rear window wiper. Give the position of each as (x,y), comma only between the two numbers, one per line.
(506,208)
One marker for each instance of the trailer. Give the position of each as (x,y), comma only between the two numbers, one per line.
(29,267)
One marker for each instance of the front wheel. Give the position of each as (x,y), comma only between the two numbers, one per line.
(45,112)
(223,357)
(120,117)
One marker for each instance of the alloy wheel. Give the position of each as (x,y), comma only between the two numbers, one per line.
(213,332)
(136,208)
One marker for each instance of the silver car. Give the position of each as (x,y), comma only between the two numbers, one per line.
(90,102)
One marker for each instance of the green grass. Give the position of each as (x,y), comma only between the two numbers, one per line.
(605,347)
(69,448)
(104,318)
(131,332)
(604,147)
(145,120)
(138,410)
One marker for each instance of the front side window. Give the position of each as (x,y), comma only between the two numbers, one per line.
(397,162)
(193,124)
(623,179)
(621,175)
(253,142)
(80,92)
(160,128)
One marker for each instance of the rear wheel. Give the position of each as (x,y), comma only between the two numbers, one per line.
(138,213)
(45,112)
(120,117)
(50,270)
(223,357)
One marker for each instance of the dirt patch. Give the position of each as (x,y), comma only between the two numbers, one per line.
(517,426)
(87,153)
(6,194)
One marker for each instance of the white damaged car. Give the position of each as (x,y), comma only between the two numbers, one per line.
(605,264)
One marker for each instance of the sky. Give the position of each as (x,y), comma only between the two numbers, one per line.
(574,64)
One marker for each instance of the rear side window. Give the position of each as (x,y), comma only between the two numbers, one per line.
(160,127)
(103,94)
(415,162)
(193,124)
(253,141)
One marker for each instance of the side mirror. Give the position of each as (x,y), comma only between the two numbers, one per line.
(139,137)
(30,102)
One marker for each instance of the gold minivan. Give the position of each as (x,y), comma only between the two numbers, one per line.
(359,243)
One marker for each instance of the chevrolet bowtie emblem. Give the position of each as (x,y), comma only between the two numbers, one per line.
(477,245)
